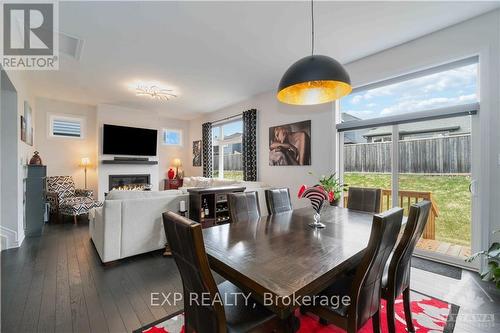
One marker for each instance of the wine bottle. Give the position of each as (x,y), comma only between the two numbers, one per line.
(205,205)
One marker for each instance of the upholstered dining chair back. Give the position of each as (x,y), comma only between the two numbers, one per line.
(398,277)
(185,239)
(365,293)
(364,199)
(243,206)
(278,200)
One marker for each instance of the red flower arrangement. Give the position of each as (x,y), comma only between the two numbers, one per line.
(332,186)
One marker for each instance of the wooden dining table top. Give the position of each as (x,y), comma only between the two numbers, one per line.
(281,255)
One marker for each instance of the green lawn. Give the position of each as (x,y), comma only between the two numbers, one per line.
(451,194)
(230,174)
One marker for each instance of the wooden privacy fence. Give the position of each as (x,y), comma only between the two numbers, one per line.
(231,162)
(406,199)
(449,154)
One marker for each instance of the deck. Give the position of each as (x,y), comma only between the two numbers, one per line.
(433,245)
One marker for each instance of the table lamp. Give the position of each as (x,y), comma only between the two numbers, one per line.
(85,162)
(177,163)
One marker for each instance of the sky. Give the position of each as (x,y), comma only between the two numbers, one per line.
(172,137)
(451,87)
(229,128)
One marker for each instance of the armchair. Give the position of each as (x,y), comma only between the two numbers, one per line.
(64,199)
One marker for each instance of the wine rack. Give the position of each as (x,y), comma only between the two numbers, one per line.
(215,200)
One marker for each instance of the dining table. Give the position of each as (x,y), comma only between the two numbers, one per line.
(279,258)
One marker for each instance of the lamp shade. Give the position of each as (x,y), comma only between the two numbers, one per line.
(314,79)
(85,161)
(177,162)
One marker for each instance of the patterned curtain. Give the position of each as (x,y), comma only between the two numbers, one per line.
(250,145)
(206,136)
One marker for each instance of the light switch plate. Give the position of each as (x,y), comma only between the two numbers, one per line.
(498,159)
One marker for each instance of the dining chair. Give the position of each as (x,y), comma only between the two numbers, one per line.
(363,287)
(210,316)
(396,278)
(364,199)
(243,206)
(278,200)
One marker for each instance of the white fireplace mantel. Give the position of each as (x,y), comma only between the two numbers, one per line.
(105,170)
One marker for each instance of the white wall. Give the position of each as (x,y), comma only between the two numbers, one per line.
(9,163)
(63,155)
(478,36)
(272,113)
(21,155)
(110,114)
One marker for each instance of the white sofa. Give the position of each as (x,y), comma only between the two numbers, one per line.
(130,222)
(259,187)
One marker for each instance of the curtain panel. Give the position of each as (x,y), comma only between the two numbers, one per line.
(206,138)
(249,142)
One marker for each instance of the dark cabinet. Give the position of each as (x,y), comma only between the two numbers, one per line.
(172,184)
(213,198)
(35,199)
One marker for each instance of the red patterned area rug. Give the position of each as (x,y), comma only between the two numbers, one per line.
(430,315)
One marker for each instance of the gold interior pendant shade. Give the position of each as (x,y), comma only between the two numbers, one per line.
(314,79)
(314,92)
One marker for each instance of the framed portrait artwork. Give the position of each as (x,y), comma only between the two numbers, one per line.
(290,144)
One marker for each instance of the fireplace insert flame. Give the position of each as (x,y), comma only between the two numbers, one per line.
(129,182)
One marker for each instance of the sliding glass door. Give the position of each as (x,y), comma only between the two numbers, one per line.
(367,164)
(412,137)
(436,166)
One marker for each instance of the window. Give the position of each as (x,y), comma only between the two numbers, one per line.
(172,137)
(66,126)
(411,137)
(423,91)
(228,150)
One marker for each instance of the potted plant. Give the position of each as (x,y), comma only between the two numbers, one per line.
(492,273)
(332,185)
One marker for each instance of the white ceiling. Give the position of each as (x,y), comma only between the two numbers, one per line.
(218,53)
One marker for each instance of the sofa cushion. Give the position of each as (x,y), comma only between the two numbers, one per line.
(215,182)
(128,195)
(196,182)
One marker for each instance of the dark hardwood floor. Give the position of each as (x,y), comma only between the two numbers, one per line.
(56,283)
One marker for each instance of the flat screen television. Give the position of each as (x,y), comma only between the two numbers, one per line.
(122,140)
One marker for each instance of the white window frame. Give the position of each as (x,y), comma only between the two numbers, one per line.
(471,109)
(164,133)
(69,117)
(222,143)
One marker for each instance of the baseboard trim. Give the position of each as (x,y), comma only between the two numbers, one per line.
(12,239)
(19,241)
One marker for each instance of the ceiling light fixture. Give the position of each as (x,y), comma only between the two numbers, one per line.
(155,92)
(314,79)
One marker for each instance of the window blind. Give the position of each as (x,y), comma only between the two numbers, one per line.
(66,127)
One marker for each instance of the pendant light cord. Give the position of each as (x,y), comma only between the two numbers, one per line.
(312,27)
